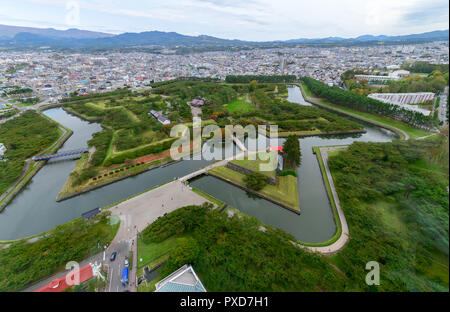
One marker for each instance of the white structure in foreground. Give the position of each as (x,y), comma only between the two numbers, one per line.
(2,150)
(405,100)
(182,280)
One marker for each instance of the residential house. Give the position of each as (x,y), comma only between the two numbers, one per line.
(162,119)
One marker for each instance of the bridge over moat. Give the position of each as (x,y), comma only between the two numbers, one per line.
(61,154)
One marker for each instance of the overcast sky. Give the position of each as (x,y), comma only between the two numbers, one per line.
(257,20)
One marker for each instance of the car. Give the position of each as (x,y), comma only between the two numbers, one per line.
(126,263)
(113,256)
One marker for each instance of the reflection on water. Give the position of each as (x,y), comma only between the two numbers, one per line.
(316,223)
(35,210)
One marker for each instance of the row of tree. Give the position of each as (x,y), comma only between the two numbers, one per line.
(260,78)
(425,67)
(292,153)
(365,104)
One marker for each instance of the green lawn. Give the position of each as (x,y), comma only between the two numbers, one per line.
(239,105)
(212,199)
(286,192)
(437,267)
(24,136)
(334,152)
(411,131)
(24,263)
(255,165)
(154,251)
(405,226)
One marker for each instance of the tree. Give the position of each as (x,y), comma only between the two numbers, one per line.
(291,150)
(253,85)
(255,181)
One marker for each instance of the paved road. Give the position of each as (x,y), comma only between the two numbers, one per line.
(23,109)
(136,214)
(115,267)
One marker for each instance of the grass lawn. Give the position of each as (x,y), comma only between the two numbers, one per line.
(80,164)
(437,268)
(152,253)
(254,165)
(68,189)
(239,105)
(286,192)
(24,263)
(114,152)
(411,131)
(212,199)
(334,152)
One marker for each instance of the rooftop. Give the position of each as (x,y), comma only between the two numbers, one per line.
(182,280)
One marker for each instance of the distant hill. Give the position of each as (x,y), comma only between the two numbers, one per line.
(11,31)
(25,37)
(433,35)
(162,38)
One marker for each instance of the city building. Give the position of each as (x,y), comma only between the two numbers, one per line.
(160,117)
(394,76)
(406,100)
(198,102)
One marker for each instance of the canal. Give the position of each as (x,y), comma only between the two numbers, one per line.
(35,210)
(315,223)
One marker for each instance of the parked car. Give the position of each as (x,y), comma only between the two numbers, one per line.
(113,256)
(126,263)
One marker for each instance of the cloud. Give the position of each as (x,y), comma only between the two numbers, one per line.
(251,19)
(428,12)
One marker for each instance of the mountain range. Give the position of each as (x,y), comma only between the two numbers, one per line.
(8,32)
(28,37)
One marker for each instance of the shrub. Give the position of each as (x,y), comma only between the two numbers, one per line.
(288,172)
(255,181)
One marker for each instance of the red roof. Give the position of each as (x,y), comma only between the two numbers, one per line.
(60,284)
(276,148)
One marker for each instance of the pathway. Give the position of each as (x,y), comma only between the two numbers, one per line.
(12,187)
(239,143)
(216,164)
(343,239)
(136,214)
(22,109)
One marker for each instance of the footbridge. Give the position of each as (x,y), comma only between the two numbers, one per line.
(61,154)
(239,143)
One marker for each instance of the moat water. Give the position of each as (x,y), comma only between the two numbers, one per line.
(35,210)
